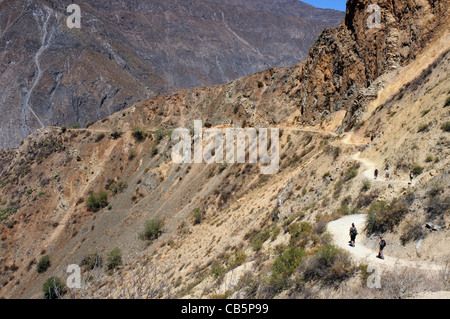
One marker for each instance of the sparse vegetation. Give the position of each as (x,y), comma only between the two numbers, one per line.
(383,217)
(95,202)
(92,261)
(198,216)
(117,187)
(152,229)
(417,170)
(114,259)
(217,270)
(116,134)
(99,137)
(259,238)
(284,266)
(139,134)
(131,155)
(425,112)
(447,102)
(446,126)
(424,128)
(329,264)
(54,288)
(160,134)
(43,264)
(366,186)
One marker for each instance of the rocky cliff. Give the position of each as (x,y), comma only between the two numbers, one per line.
(128,51)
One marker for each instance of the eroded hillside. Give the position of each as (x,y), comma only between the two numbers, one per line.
(229,231)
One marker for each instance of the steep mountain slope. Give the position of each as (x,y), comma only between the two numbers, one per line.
(128,51)
(228,230)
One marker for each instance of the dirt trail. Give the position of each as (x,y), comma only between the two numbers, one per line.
(339,229)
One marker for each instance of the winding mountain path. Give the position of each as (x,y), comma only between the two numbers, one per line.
(339,229)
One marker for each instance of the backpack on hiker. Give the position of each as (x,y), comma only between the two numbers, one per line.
(382,244)
(353,231)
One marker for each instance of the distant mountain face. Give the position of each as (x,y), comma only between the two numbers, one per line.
(127,51)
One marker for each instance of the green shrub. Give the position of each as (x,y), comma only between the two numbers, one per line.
(259,238)
(447,102)
(424,128)
(299,232)
(159,134)
(116,134)
(382,217)
(417,170)
(114,258)
(217,270)
(425,112)
(329,264)
(131,155)
(92,261)
(43,264)
(138,134)
(95,202)
(198,216)
(284,266)
(117,188)
(446,126)
(351,173)
(54,288)
(152,229)
(99,137)
(366,186)
(238,259)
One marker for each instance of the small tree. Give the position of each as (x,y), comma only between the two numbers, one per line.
(114,258)
(54,288)
(152,229)
(43,264)
(138,134)
(198,216)
(97,202)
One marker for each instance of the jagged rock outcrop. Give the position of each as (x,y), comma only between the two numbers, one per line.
(350,57)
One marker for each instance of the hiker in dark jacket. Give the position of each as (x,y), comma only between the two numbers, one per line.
(353,233)
(381,245)
(375,174)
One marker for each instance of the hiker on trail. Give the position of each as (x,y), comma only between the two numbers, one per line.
(388,174)
(375,174)
(411,176)
(353,233)
(381,245)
